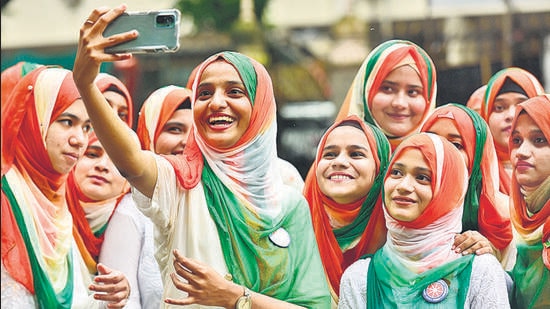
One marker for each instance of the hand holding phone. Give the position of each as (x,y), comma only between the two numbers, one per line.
(158,31)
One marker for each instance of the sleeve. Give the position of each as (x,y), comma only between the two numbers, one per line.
(121,249)
(487,284)
(353,285)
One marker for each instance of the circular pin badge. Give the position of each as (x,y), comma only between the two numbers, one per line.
(436,291)
(280,238)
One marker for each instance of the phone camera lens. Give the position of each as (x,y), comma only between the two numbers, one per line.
(165,21)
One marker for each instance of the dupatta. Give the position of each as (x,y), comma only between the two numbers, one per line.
(36,223)
(104,81)
(243,193)
(531,275)
(376,67)
(418,252)
(156,111)
(481,212)
(532,87)
(367,227)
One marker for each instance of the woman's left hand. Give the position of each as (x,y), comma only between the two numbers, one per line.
(202,284)
(111,286)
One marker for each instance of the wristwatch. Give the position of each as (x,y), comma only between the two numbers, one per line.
(245,301)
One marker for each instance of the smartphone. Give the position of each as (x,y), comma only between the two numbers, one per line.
(158,31)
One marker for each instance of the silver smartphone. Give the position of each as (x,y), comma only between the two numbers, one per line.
(158,31)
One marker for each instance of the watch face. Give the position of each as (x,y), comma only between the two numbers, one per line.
(244,303)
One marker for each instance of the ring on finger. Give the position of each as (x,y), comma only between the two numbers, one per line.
(89,21)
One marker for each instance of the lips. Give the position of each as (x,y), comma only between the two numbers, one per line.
(522,166)
(220,121)
(339,177)
(507,129)
(404,201)
(98,179)
(398,116)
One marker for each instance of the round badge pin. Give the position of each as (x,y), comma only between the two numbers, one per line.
(280,238)
(436,291)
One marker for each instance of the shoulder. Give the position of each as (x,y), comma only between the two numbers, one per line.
(357,271)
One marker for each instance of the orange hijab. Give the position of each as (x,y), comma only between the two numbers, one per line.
(480,209)
(379,63)
(156,111)
(366,216)
(36,101)
(538,108)
(532,87)
(105,81)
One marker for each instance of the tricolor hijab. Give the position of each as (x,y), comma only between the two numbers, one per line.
(105,81)
(12,75)
(367,226)
(531,275)
(242,190)
(530,86)
(157,109)
(481,211)
(379,63)
(36,223)
(90,226)
(418,253)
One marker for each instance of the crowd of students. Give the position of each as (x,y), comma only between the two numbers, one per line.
(405,205)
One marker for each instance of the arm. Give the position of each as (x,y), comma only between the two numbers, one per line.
(206,287)
(138,166)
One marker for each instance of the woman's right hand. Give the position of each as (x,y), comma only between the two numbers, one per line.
(91,45)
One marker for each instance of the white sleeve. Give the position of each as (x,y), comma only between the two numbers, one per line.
(353,285)
(121,250)
(487,284)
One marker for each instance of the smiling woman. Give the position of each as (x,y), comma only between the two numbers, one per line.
(424,190)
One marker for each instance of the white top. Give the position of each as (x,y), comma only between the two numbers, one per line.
(181,220)
(15,295)
(128,247)
(487,285)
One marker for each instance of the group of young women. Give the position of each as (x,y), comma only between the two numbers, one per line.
(405,204)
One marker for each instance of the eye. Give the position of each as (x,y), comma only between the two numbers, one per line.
(173,129)
(236,92)
(516,140)
(329,155)
(357,154)
(91,153)
(498,108)
(539,141)
(123,116)
(87,128)
(424,179)
(396,173)
(65,122)
(386,89)
(458,145)
(413,92)
(204,94)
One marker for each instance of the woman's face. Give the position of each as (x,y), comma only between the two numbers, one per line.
(97,176)
(446,128)
(398,105)
(530,153)
(118,104)
(67,137)
(501,116)
(347,168)
(222,108)
(173,137)
(408,188)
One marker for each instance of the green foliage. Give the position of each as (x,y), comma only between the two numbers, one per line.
(207,15)
(217,15)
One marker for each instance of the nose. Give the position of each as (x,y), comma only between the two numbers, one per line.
(217,101)
(399,101)
(405,184)
(341,160)
(524,150)
(510,113)
(102,164)
(78,139)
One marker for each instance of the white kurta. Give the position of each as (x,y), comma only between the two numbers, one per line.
(487,285)
(181,220)
(128,247)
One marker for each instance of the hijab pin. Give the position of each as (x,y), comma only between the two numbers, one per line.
(280,238)
(29,87)
(436,292)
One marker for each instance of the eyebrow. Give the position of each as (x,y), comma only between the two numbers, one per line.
(73,116)
(347,147)
(450,135)
(417,169)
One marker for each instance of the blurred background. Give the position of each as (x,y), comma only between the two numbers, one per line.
(312,48)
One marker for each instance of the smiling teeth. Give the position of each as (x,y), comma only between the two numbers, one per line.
(221,119)
(340,177)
